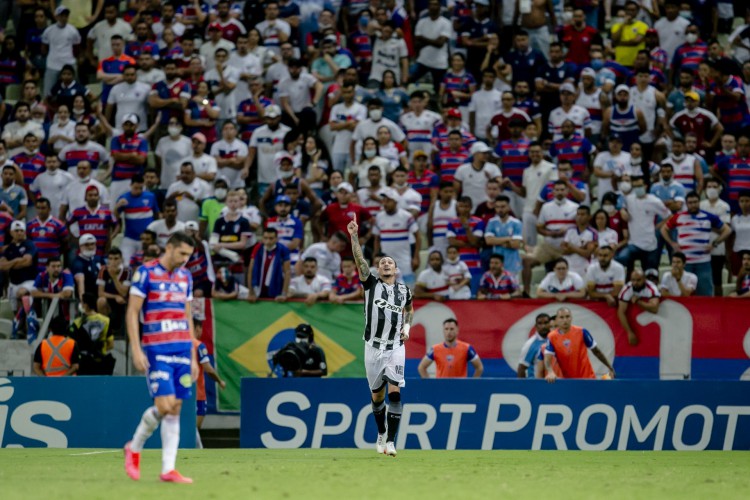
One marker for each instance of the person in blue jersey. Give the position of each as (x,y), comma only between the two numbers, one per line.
(140,209)
(533,345)
(161,292)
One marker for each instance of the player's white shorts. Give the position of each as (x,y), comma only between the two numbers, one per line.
(384,366)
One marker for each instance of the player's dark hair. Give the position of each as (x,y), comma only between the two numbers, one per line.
(497,256)
(542,316)
(270,230)
(445,184)
(558,261)
(115,251)
(451,320)
(347,258)
(180,238)
(561,182)
(137,179)
(43,200)
(502,197)
(150,233)
(311,259)
(467,200)
(692,194)
(743,194)
(54,258)
(680,256)
(89,300)
(585,208)
(400,169)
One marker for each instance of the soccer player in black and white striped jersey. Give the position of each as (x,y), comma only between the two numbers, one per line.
(388,315)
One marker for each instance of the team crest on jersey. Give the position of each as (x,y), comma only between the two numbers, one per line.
(145,202)
(566,343)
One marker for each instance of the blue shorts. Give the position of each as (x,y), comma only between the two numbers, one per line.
(201,408)
(169,374)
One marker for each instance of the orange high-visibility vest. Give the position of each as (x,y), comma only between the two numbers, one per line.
(57,352)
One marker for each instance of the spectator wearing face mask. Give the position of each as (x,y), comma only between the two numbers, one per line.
(212,207)
(720,208)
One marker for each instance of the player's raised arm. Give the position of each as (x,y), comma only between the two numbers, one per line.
(359,258)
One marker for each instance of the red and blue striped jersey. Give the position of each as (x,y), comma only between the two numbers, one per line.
(515,158)
(453,82)
(47,237)
(448,161)
(91,152)
(361,46)
(733,113)
(198,265)
(659,57)
(165,323)
(344,285)
(693,231)
(495,286)
(115,65)
(469,255)
(577,150)
(98,222)
(43,283)
(743,284)
(530,107)
(31,165)
(440,137)
(689,56)
(249,109)
(288,229)
(11,70)
(122,144)
(736,172)
(5,220)
(140,211)
(177,89)
(135,48)
(424,186)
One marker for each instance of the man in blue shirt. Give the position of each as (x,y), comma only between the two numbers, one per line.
(504,234)
(13,197)
(140,209)
(530,349)
(672,193)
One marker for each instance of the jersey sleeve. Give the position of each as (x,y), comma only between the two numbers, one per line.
(588,340)
(431,354)
(472,353)
(139,285)
(202,354)
(369,282)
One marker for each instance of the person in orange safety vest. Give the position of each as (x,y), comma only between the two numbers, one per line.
(58,354)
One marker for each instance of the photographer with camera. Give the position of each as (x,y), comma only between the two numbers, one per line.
(301,358)
(94,338)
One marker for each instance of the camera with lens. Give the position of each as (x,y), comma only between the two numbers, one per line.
(301,354)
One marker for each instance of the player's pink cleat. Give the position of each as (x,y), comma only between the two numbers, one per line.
(132,463)
(175,477)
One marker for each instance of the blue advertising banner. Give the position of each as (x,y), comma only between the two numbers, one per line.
(79,412)
(501,414)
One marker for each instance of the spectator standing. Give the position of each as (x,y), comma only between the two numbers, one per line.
(671,28)
(641,292)
(432,35)
(339,213)
(523,58)
(129,154)
(273,31)
(58,42)
(578,37)
(169,96)
(536,175)
(465,232)
(485,103)
(713,204)
(569,110)
(167,225)
(230,155)
(229,237)
(266,141)
(110,70)
(51,183)
(389,53)
(575,149)
(86,266)
(471,178)
(504,234)
(139,209)
(344,118)
(77,195)
(269,272)
(83,149)
(13,198)
(628,36)
(442,212)
(289,228)
(605,277)
(170,151)
(47,233)
(129,96)
(452,356)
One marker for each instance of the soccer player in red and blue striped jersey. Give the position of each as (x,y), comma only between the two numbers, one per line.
(162,291)
(47,233)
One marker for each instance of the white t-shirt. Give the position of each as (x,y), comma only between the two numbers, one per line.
(329,263)
(722,211)
(604,280)
(151,77)
(485,104)
(434,57)
(205,164)
(387,54)
(440,219)
(572,282)
(616,165)
(368,128)
(68,130)
(224,149)
(741,227)
(60,42)
(643,212)
(419,130)
(608,238)
(340,113)
(298,91)
(556,218)
(52,186)
(226,101)
(188,209)
(249,64)
(159,226)
(671,34)
(299,285)
(669,283)
(647,292)
(474,182)
(102,34)
(434,281)
(267,143)
(409,200)
(577,239)
(131,99)
(535,177)
(172,154)
(457,272)
(395,231)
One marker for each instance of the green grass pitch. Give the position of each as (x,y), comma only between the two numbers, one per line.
(362,474)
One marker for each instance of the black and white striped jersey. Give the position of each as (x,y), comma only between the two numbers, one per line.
(384,312)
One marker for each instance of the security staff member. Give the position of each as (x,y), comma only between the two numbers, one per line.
(58,355)
(314,365)
(93,338)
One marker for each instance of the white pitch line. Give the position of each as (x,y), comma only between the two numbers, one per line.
(93,453)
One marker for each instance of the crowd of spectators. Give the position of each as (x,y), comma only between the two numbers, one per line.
(473,140)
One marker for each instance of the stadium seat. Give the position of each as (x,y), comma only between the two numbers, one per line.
(13,92)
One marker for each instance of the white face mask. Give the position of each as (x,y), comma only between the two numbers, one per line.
(369,153)
(636,161)
(84,179)
(640,191)
(286,174)
(712,193)
(400,186)
(691,38)
(678,157)
(625,187)
(220,194)
(52,172)
(610,209)
(174,131)
(88,253)
(376,114)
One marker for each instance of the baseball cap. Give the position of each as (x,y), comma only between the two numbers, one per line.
(214,26)
(346,187)
(588,72)
(329,39)
(91,188)
(280,156)
(61,10)
(651,272)
(272,111)
(18,224)
(192,225)
(454,113)
(282,198)
(198,136)
(615,137)
(692,95)
(420,153)
(480,147)
(130,117)
(86,239)
(303,330)
(389,193)
(567,87)
(622,88)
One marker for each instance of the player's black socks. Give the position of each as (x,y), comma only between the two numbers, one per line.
(378,411)
(394,414)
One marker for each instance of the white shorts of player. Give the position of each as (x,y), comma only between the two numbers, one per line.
(384,366)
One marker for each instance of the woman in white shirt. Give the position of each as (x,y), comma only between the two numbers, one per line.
(370,156)
(315,164)
(606,236)
(561,284)
(390,150)
(256,47)
(62,131)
